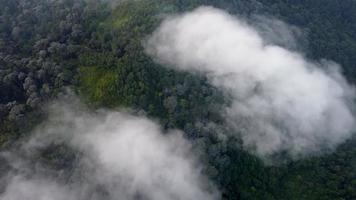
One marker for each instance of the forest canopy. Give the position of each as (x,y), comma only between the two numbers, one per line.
(98,50)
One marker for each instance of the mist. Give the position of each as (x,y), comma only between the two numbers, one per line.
(282,102)
(117,156)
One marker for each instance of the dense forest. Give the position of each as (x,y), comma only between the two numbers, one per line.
(95,49)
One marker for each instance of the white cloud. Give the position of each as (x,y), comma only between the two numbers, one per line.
(121,157)
(35,189)
(282,102)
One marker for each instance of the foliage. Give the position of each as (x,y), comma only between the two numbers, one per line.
(100,85)
(48,45)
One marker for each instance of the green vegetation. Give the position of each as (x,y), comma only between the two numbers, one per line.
(99,52)
(99,84)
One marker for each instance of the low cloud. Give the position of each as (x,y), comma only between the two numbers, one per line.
(282,102)
(118,156)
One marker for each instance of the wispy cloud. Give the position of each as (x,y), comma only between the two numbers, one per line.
(119,156)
